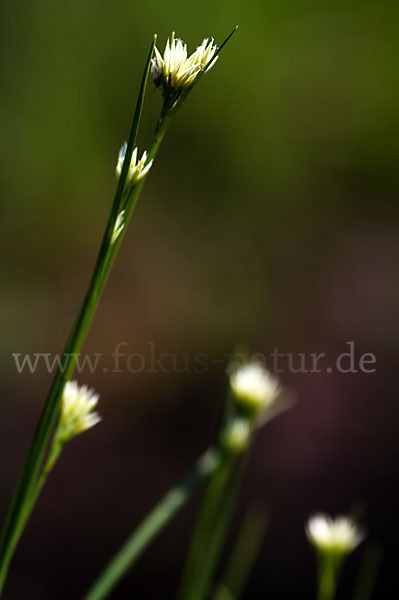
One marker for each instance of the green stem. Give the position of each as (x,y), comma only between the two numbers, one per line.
(29,505)
(368,572)
(130,200)
(244,554)
(151,526)
(22,503)
(211,528)
(26,493)
(329,568)
(52,458)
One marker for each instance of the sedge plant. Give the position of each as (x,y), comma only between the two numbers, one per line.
(333,540)
(254,398)
(176,74)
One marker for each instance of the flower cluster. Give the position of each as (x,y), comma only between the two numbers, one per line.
(77,411)
(175,69)
(137,169)
(253,387)
(254,390)
(335,536)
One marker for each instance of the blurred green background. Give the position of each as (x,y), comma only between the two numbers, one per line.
(270,217)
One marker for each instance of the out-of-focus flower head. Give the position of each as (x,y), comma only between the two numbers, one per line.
(337,536)
(253,387)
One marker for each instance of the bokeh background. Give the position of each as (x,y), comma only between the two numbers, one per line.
(270,218)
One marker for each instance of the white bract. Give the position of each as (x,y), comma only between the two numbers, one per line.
(340,535)
(253,386)
(77,411)
(118,227)
(137,170)
(175,69)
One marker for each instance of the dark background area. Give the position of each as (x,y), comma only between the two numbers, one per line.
(270,218)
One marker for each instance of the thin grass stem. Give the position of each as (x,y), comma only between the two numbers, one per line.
(211,528)
(329,570)
(21,504)
(244,554)
(151,526)
(368,572)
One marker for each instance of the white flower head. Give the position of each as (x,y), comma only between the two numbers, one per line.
(175,69)
(253,386)
(338,536)
(77,411)
(237,435)
(119,226)
(137,169)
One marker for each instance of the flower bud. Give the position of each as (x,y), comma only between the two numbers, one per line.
(236,436)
